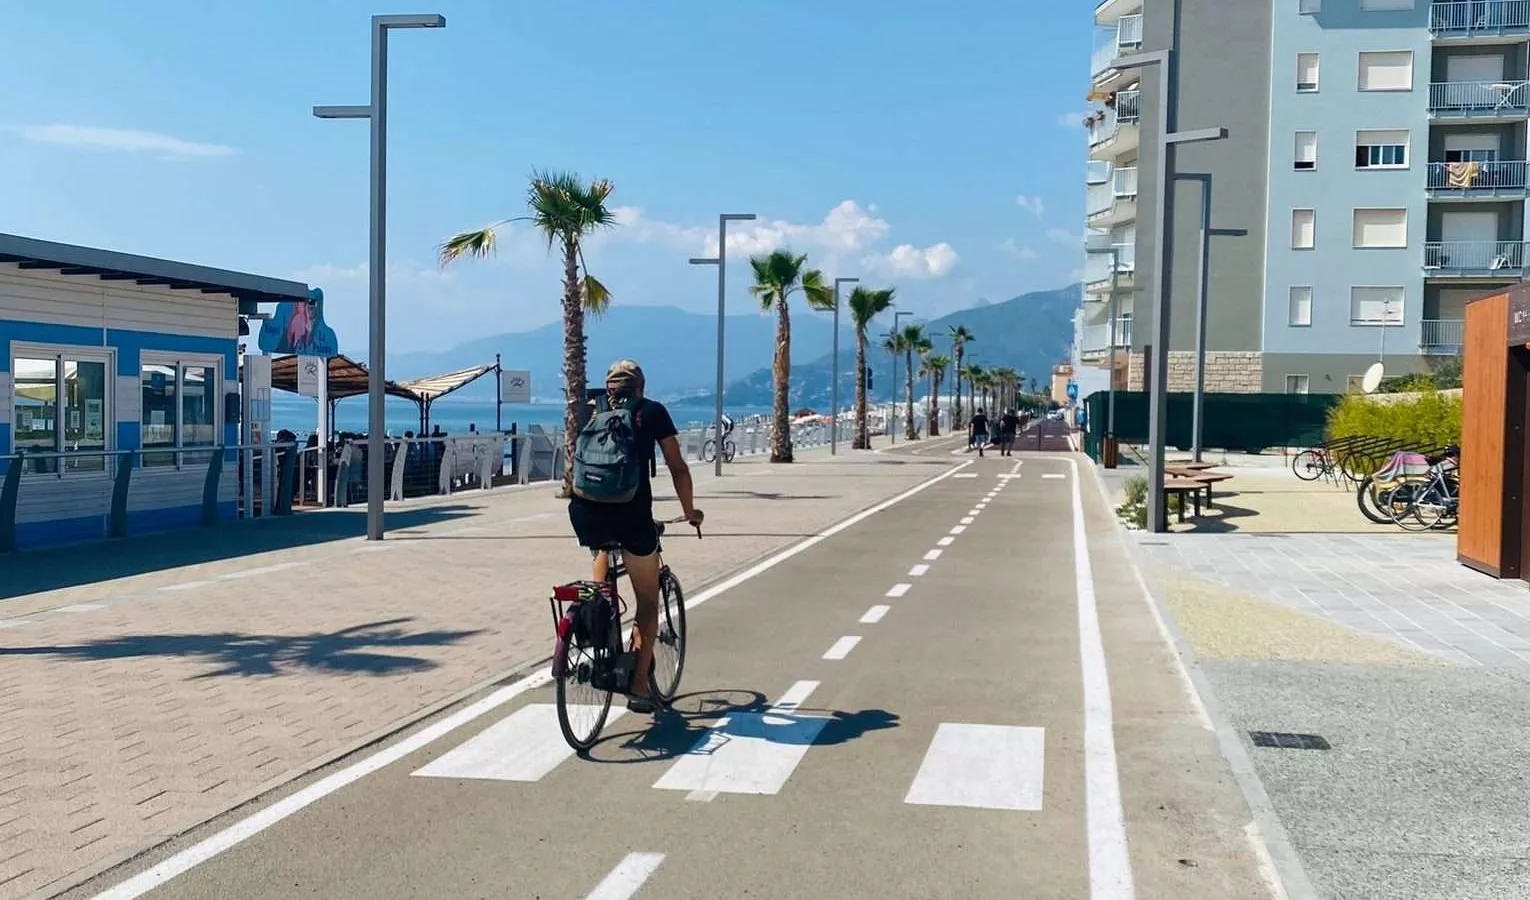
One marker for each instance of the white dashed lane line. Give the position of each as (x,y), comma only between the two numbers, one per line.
(842,647)
(875,614)
(898,590)
(932,555)
(918,570)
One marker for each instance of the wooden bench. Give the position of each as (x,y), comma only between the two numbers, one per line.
(1182,487)
(1207,479)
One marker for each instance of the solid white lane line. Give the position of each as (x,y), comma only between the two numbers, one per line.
(968,520)
(264,570)
(186,585)
(918,570)
(748,753)
(933,555)
(967,474)
(1054,475)
(80,608)
(628,876)
(958,529)
(898,590)
(1110,868)
(875,614)
(842,647)
(946,541)
(982,766)
(522,747)
(252,825)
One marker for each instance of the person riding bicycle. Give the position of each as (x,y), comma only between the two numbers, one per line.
(727,426)
(631,524)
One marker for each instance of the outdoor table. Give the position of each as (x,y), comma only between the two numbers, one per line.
(1204,478)
(1183,487)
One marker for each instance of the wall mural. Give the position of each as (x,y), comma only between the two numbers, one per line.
(300,328)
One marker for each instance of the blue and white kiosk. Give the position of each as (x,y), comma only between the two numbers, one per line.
(119,390)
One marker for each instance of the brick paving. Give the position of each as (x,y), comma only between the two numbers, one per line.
(146,685)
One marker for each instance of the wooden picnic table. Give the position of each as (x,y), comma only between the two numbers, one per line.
(1183,487)
(1196,466)
(1206,479)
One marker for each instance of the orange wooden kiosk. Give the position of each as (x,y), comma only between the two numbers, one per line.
(1492,535)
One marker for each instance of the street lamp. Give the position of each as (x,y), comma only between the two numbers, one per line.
(722,303)
(377,343)
(834,389)
(1163,232)
(892,431)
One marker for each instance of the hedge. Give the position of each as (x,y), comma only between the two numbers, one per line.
(1431,419)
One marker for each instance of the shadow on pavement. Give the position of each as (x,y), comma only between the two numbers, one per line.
(688,727)
(35,571)
(349,651)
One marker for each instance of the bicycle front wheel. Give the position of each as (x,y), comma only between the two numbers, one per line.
(669,649)
(709,451)
(582,707)
(1308,465)
(730,450)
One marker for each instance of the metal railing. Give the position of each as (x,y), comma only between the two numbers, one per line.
(1124,182)
(1095,339)
(1447,336)
(1098,172)
(1498,176)
(1097,265)
(1481,98)
(1098,199)
(1474,18)
(1124,39)
(1446,257)
(1127,110)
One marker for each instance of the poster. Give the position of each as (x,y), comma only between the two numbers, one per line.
(94,426)
(515,386)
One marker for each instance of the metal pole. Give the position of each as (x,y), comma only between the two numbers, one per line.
(834,389)
(499,395)
(1198,401)
(378,343)
(1163,235)
(722,302)
(1110,394)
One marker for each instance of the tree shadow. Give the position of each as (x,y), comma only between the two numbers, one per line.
(349,651)
(690,726)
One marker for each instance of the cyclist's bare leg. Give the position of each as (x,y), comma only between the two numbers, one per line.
(602,563)
(643,571)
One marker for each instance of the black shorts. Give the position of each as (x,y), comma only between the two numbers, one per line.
(628,524)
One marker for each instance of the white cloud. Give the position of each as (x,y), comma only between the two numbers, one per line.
(86,137)
(1064,236)
(1034,204)
(1013,249)
(908,261)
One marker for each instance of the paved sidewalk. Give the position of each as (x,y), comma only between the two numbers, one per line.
(145,687)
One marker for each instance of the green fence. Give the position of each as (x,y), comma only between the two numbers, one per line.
(1238,422)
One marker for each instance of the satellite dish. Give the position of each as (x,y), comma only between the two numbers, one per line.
(1372,379)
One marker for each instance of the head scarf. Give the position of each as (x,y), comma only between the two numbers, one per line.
(624,380)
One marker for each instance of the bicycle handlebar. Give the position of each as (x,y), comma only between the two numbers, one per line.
(679,520)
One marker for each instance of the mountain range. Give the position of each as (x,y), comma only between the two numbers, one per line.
(1029,333)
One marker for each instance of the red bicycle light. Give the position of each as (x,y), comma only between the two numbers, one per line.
(566,593)
(564,624)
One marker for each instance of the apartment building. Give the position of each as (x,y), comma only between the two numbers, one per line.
(1376,156)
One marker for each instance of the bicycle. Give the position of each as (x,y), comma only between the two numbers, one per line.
(588,655)
(709,450)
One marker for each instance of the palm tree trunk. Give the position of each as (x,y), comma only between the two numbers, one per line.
(862,439)
(781,426)
(933,406)
(956,408)
(573,360)
(908,397)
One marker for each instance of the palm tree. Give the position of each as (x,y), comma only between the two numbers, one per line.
(960,337)
(777,276)
(935,366)
(865,304)
(976,375)
(565,210)
(1006,379)
(909,341)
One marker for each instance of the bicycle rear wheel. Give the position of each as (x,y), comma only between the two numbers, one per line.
(709,450)
(582,707)
(669,649)
(1309,465)
(730,450)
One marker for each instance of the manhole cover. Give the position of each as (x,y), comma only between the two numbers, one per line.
(1282,740)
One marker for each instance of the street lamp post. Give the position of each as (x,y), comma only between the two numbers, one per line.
(1110,395)
(892,430)
(721,262)
(377,342)
(1163,231)
(834,388)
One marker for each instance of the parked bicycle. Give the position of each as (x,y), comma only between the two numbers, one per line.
(1415,491)
(589,662)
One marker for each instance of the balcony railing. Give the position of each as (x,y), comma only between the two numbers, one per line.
(1442,336)
(1098,172)
(1126,110)
(1097,265)
(1098,199)
(1126,38)
(1479,18)
(1480,99)
(1497,177)
(1489,258)
(1124,183)
(1095,339)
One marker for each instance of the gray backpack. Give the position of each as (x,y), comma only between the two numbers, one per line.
(608,464)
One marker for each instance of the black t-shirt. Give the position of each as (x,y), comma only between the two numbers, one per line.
(653,425)
(1008,424)
(979,424)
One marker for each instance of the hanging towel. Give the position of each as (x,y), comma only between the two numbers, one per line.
(1462,174)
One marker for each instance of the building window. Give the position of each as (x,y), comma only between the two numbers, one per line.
(1376,306)
(1377,5)
(1306,151)
(180,410)
(1301,306)
(1381,228)
(1386,70)
(1381,150)
(58,405)
(1306,72)
(1296,384)
(1303,229)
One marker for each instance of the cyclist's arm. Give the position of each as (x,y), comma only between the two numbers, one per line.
(680,474)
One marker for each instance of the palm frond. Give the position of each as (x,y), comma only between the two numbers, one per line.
(596,298)
(478,243)
(819,295)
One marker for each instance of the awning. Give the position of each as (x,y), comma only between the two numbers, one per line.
(433,387)
(347,378)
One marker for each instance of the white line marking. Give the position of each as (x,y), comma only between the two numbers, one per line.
(918,570)
(968,520)
(1015,469)
(80,608)
(185,586)
(898,590)
(958,529)
(263,570)
(967,474)
(1054,475)
(982,766)
(946,541)
(933,555)
(1006,478)
(975,512)
(628,876)
(748,753)
(1110,868)
(701,796)
(842,647)
(875,614)
(524,747)
(250,826)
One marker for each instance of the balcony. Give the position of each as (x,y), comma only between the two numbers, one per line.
(1114,130)
(1094,340)
(1115,201)
(1474,259)
(1108,12)
(1500,179)
(1468,20)
(1442,337)
(1124,39)
(1097,268)
(1481,101)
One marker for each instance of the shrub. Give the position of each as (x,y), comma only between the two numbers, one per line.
(1133,508)
(1431,419)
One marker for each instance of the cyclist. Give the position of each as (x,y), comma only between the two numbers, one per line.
(727,424)
(632,524)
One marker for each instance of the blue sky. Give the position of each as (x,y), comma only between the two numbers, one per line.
(934,147)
